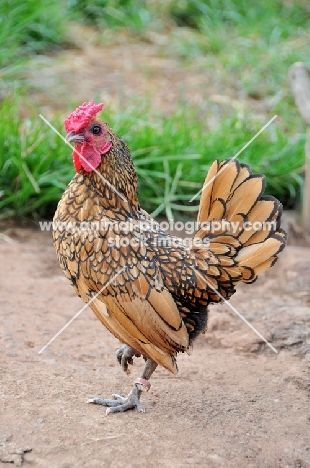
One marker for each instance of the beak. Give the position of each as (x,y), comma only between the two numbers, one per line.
(73,137)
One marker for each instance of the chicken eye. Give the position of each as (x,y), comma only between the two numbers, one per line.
(96,129)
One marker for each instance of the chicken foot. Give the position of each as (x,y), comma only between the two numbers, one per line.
(124,355)
(120,404)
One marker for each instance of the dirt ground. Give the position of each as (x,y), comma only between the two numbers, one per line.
(234,402)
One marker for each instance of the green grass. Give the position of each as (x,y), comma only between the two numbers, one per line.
(30,180)
(28,27)
(261,16)
(249,45)
(133,15)
(171,155)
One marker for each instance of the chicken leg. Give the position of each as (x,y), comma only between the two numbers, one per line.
(120,404)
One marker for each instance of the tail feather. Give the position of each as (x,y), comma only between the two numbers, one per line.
(217,210)
(246,195)
(255,254)
(251,231)
(206,199)
(261,256)
(224,181)
(262,213)
(244,173)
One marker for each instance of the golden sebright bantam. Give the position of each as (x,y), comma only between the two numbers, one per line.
(150,289)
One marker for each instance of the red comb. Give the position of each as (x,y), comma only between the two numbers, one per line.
(81,117)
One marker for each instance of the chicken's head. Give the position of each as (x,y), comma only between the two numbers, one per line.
(89,135)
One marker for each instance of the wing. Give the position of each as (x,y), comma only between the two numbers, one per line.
(127,294)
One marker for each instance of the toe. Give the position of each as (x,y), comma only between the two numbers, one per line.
(125,360)
(129,405)
(119,398)
(103,402)
(120,404)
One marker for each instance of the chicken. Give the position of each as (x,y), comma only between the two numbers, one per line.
(151,289)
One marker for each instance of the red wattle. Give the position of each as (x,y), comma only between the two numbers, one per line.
(76,161)
(86,156)
(91,158)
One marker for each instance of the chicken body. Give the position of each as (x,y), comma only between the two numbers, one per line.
(151,290)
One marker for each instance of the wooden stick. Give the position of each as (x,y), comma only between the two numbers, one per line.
(299,77)
(306,205)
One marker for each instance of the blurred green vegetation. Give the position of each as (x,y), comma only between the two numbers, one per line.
(131,14)
(171,153)
(253,43)
(29,27)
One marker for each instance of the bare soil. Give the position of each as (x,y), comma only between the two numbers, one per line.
(234,402)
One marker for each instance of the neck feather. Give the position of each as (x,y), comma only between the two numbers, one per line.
(116,179)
